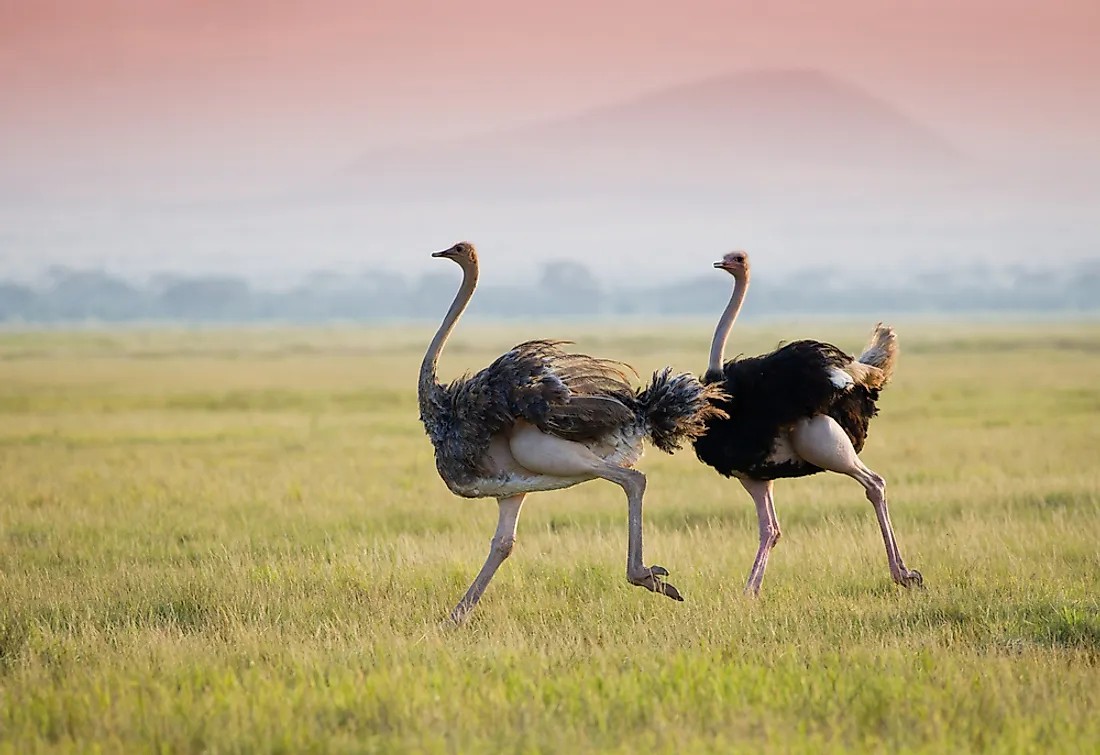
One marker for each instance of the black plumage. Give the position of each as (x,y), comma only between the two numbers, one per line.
(768,394)
(802,409)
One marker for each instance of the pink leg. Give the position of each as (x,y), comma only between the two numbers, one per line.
(761,492)
(822,442)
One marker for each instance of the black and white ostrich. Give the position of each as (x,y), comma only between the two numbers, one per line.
(539,418)
(802,409)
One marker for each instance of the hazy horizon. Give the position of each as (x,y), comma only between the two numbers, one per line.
(220,137)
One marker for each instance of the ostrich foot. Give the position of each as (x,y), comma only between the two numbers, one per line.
(650,579)
(909,578)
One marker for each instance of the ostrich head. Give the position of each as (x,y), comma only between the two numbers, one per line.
(736,264)
(463,253)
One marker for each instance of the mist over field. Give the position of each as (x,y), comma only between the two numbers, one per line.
(272,142)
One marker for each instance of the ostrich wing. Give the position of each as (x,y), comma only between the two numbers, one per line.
(572,396)
(791,383)
(587,417)
(598,397)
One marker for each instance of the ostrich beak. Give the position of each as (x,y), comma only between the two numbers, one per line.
(720,265)
(444,253)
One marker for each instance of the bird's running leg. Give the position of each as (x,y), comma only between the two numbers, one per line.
(545,454)
(823,443)
(761,492)
(500,549)
(637,573)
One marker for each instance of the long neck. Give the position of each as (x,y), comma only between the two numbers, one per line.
(725,324)
(462,298)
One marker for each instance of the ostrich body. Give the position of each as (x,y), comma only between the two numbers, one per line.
(802,409)
(541,418)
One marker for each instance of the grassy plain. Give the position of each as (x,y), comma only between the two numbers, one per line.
(236,541)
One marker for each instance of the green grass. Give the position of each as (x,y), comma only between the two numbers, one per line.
(236,541)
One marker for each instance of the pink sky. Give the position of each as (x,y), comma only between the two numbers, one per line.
(263,86)
(114,102)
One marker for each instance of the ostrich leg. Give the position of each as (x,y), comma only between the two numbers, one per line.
(761,492)
(637,573)
(547,455)
(822,442)
(500,549)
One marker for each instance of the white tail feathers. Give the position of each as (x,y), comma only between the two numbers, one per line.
(881,353)
(841,379)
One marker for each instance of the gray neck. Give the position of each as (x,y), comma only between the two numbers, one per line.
(725,324)
(462,298)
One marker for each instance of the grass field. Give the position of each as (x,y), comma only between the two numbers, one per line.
(236,541)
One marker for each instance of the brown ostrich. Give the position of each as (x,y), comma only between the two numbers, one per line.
(541,418)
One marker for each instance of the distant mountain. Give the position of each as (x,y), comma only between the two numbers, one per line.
(753,129)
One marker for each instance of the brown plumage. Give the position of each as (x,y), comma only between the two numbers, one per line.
(572,396)
(544,418)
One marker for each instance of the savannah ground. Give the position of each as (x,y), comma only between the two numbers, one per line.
(236,541)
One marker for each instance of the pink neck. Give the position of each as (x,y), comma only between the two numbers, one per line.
(725,324)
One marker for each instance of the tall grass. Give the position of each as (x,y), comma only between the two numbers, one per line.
(236,541)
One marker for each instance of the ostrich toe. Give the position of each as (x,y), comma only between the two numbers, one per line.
(650,579)
(916,579)
(910,578)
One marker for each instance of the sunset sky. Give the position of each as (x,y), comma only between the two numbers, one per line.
(206,99)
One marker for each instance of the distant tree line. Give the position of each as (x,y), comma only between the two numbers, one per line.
(562,289)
